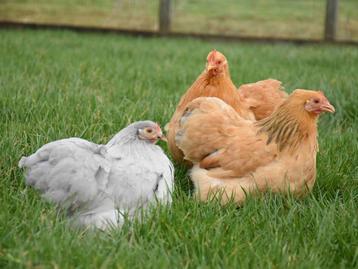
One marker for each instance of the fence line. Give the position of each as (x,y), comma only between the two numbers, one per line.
(329,29)
(164,18)
(215,37)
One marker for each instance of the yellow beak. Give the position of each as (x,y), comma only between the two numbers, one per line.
(328,108)
(164,138)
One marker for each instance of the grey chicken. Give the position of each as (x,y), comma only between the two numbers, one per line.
(97,184)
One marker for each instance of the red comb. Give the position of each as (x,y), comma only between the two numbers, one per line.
(212,54)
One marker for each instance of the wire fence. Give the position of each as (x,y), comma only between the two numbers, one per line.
(292,19)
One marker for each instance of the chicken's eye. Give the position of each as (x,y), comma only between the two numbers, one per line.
(316,101)
(149,131)
(218,62)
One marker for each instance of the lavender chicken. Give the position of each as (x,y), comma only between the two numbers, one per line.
(96,184)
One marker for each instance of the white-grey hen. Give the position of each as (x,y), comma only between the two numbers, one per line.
(96,184)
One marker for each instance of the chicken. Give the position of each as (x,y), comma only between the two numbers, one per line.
(214,81)
(262,97)
(97,184)
(233,156)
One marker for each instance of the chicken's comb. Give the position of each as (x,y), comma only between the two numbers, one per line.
(212,54)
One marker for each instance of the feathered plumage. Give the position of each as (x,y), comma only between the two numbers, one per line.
(262,97)
(214,81)
(238,156)
(96,184)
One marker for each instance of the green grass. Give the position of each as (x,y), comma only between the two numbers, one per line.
(59,84)
(267,18)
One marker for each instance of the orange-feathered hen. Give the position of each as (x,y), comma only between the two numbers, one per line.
(262,97)
(238,156)
(214,81)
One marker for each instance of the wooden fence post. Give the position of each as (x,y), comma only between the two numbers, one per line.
(331,20)
(164,16)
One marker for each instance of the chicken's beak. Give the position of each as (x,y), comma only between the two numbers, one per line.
(160,134)
(327,107)
(210,66)
(163,138)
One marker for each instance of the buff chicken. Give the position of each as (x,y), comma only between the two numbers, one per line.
(214,81)
(234,156)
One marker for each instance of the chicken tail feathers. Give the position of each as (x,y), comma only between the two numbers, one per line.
(263,97)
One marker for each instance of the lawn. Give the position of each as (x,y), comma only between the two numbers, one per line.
(60,84)
(260,18)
